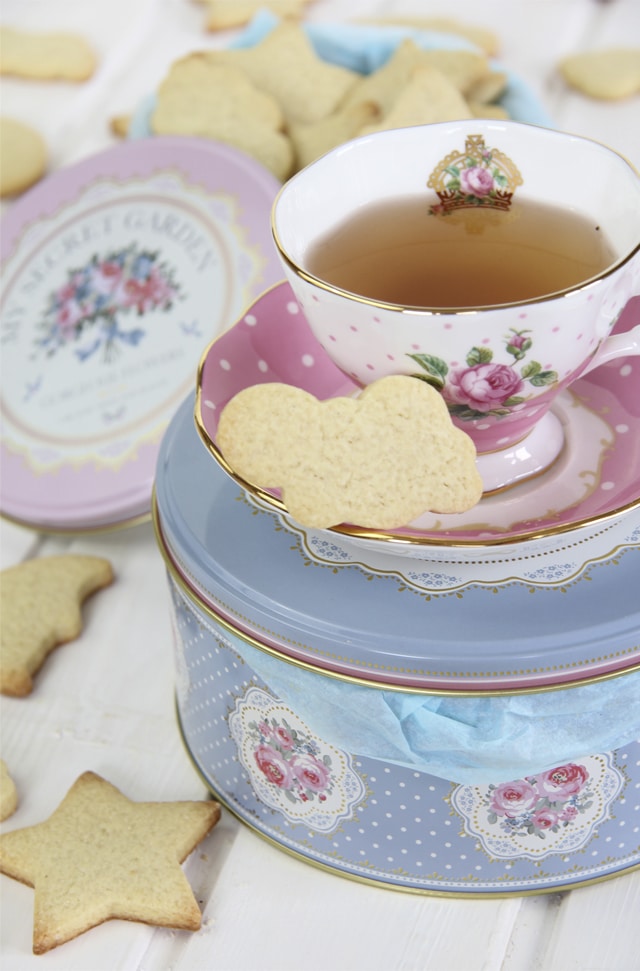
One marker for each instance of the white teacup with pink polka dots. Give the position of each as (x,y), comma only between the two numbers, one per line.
(499,367)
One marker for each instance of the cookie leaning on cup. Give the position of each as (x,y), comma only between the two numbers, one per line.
(377,461)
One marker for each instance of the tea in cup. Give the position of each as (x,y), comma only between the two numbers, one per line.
(491,259)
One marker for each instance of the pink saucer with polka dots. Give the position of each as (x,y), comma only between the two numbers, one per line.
(595,478)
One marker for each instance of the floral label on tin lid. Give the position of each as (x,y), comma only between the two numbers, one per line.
(105,309)
(290,769)
(85,313)
(556,811)
(477,176)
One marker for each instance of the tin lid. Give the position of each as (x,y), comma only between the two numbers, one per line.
(117,272)
(252,569)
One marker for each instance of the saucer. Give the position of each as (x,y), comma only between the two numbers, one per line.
(536,565)
(117,272)
(595,479)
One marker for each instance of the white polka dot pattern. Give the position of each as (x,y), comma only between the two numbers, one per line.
(388,823)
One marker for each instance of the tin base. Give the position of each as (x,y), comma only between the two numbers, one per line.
(384,823)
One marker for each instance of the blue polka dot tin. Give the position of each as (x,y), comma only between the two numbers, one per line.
(467,729)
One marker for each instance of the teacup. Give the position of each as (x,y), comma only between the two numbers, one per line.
(500,356)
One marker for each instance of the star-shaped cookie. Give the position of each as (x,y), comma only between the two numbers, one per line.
(101,856)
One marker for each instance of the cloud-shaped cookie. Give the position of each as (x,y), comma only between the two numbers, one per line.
(377,461)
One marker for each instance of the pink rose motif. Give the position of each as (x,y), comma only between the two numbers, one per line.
(519,340)
(562,782)
(69,315)
(544,818)
(512,798)
(146,294)
(310,772)
(569,813)
(106,277)
(283,738)
(67,292)
(138,295)
(476,181)
(483,386)
(274,767)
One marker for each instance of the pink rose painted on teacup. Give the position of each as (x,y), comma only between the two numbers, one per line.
(476,181)
(483,387)
(487,387)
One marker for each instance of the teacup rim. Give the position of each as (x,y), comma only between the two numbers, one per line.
(417,310)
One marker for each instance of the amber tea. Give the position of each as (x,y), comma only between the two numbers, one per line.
(398,252)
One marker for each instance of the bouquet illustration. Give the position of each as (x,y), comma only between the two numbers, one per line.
(86,311)
(540,804)
(291,761)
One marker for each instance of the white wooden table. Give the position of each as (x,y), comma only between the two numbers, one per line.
(105,701)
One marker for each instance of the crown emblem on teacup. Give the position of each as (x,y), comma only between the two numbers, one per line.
(477,176)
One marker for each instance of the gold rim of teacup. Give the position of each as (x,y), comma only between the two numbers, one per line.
(444,311)
(308,277)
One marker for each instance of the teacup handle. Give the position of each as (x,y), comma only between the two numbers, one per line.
(619,345)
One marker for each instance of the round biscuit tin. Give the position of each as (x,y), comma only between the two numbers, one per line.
(403,723)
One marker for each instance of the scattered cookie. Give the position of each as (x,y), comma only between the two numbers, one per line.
(225,14)
(45,56)
(484,110)
(204,97)
(40,603)
(312,141)
(466,70)
(470,73)
(285,106)
(377,461)
(23,157)
(101,856)
(607,74)
(119,125)
(429,97)
(285,65)
(486,40)
(488,88)
(8,793)
(383,87)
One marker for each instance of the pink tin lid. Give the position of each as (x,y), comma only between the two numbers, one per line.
(117,272)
